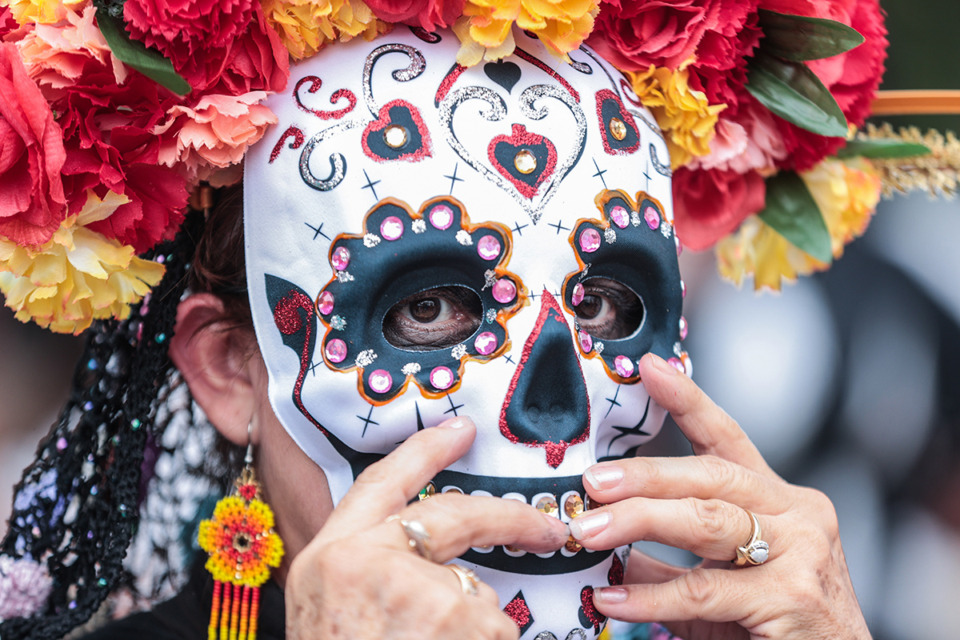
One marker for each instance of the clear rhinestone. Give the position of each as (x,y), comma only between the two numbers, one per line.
(395,136)
(525,162)
(617,129)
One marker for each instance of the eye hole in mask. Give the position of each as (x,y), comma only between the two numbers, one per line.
(609,310)
(434,319)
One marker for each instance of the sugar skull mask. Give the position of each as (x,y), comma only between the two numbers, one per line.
(425,241)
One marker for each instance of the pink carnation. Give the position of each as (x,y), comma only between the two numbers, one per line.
(710,204)
(215,133)
(747,139)
(32,200)
(428,14)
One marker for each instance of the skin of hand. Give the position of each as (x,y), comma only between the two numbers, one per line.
(359,577)
(698,503)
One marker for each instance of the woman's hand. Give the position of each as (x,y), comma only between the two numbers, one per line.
(359,577)
(698,503)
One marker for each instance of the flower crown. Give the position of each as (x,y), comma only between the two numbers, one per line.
(112,111)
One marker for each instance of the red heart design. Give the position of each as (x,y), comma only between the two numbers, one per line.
(503,152)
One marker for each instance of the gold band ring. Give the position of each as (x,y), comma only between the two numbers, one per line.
(418,538)
(755,551)
(469,582)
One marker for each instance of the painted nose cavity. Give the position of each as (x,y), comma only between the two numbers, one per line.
(547,404)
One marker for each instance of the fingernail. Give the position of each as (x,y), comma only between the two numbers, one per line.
(560,530)
(588,525)
(456,423)
(662,365)
(603,476)
(610,595)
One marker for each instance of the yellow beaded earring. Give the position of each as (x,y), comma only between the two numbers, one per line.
(242,546)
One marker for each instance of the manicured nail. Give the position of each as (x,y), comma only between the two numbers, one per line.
(610,595)
(456,423)
(588,524)
(662,365)
(603,476)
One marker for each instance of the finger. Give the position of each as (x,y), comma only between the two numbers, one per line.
(711,528)
(385,487)
(457,522)
(644,569)
(705,476)
(708,427)
(714,595)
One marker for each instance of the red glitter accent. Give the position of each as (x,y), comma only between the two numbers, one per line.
(602,96)
(520,137)
(383,121)
(285,312)
(286,315)
(615,575)
(447,83)
(291,132)
(589,610)
(629,93)
(556,76)
(555,451)
(519,612)
(339,94)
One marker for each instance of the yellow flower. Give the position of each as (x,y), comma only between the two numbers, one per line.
(847,194)
(42,11)
(685,115)
(485,29)
(306,26)
(78,276)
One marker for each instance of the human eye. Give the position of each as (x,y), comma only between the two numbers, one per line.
(608,309)
(433,319)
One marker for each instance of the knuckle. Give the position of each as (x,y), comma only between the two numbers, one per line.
(712,516)
(696,589)
(717,469)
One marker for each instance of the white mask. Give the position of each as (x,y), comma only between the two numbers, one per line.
(489,201)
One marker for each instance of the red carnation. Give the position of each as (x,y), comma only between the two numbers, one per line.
(428,14)
(852,77)
(32,202)
(7,23)
(710,204)
(721,67)
(221,46)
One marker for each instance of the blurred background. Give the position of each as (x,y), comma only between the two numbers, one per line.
(848,381)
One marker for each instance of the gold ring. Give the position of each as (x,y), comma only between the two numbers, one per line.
(755,551)
(418,538)
(469,582)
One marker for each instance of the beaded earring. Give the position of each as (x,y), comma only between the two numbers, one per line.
(242,546)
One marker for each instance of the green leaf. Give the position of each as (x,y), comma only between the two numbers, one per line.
(136,55)
(800,38)
(793,92)
(794,214)
(883,148)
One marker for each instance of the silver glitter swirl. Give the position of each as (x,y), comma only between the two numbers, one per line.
(371,240)
(419,225)
(344,276)
(464,238)
(662,169)
(635,218)
(666,228)
(337,323)
(338,164)
(410,369)
(610,235)
(545,635)
(576,634)
(581,67)
(458,351)
(651,123)
(365,358)
(406,74)
(598,347)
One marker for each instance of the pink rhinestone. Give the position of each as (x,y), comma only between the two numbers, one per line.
(624,366)
(683,289)
(589,240)
(325,303)
(652,217)
(380,381)
(336,350)
(341,258)
(441,216)
(577,296)
(586,341)
(677,364)
(504,291)
(488,248)
(391,228)
(486,343)
(620,216)
(441,378)
(683,328)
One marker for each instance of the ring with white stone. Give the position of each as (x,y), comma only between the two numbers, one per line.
(417,536)
(755,551)
(469,582)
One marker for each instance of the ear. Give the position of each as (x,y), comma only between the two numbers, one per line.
(217,362)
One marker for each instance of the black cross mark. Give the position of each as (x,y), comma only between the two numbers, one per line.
(559,226)
(317,231)
(613,401)
(370,185)
(646,174)
(509,359)
(314,366)
(518,228)
(599,173)
(631,431)
(454,179)
(453,407)
(367,421)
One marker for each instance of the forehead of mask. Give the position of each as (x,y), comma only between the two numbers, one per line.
(517,188)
